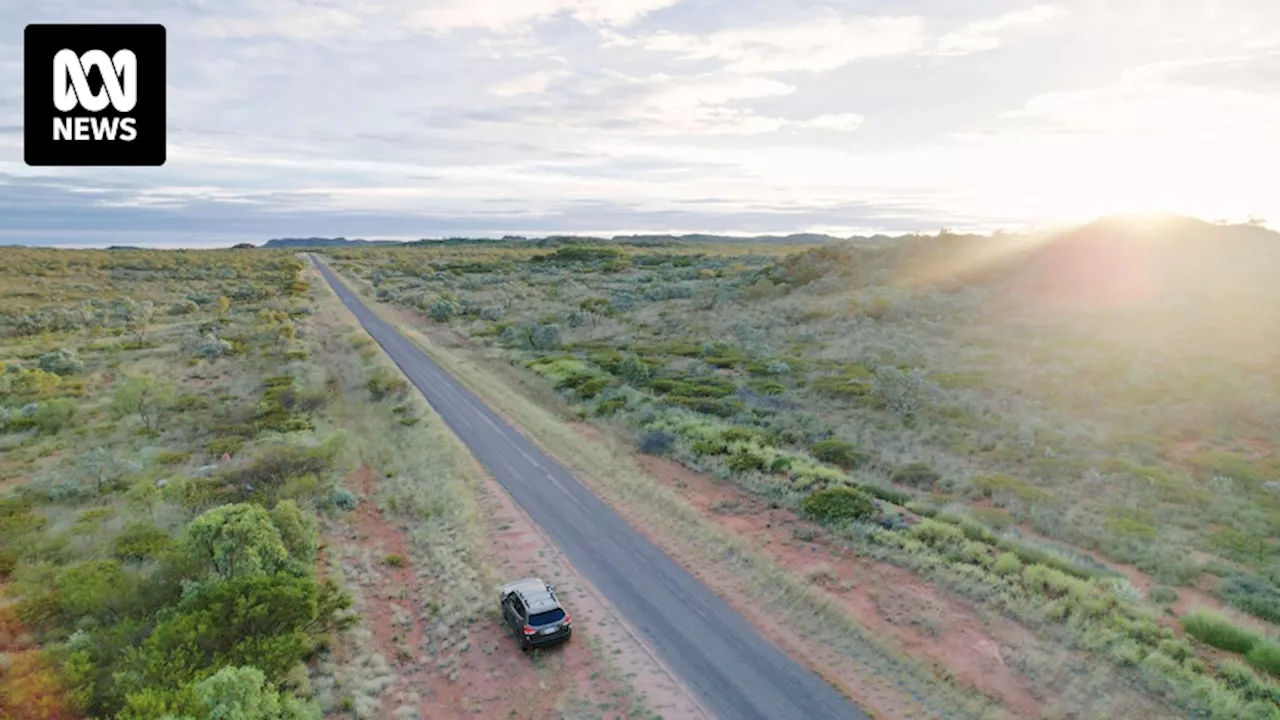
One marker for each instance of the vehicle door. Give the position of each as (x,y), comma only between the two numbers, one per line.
(516,614)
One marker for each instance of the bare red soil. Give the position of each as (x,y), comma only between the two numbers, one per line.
(493,678)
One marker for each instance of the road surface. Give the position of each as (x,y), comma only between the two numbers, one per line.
(733,670)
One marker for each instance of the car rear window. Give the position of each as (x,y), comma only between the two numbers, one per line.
(546,618)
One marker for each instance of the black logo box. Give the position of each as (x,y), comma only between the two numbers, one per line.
(41,42)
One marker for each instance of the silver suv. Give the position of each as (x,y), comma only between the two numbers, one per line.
(533,612)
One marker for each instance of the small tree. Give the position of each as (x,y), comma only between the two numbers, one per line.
(144,396)
(243,693)
(237,540)
(297,531)
(633,370)
(136,317)
(102,468)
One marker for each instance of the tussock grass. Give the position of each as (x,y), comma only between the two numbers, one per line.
(1212,628)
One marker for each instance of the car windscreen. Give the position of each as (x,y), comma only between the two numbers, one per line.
(546,618)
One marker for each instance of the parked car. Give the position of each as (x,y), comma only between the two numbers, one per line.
(533,612)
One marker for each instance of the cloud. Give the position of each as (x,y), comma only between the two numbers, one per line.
(989,34)
(1166,99)
(823,42)
(446,16)
(846,122)
(290,20)
(395,117)
(530,84)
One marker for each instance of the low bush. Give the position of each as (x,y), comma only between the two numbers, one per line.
(383,384)
(838,452)
(837,504)
(140,541)
(994,518)
(1239,676)
(342,499)
(1253,595)
(1265,655)
(591,388)
(60,362)
(610,406)
(919,475)
(225,446)
(172,457)
(268,470)
(1213,629)
(897,497)
(657,442)
(1163,595)
(54,416)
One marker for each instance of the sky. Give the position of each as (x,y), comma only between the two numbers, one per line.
(433,118)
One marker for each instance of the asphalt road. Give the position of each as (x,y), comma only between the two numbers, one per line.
(735,672)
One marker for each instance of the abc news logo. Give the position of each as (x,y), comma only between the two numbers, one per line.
(95,95)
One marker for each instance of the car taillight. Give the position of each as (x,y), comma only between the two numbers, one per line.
(565,621)
(528,630)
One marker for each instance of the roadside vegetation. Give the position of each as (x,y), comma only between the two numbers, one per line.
(160,478)
(218,498)
(1078,432)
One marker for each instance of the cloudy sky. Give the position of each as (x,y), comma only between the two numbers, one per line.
(428,118)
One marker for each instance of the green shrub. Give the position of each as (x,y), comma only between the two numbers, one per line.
(1213,629)
(994,518)
(1240,676)
(747,460)
(395,560)
(297,531)
(54,416)
(172,457)
(272,466)
(611,406)
(1253,595)
(916,474)
(738,433)
(765,386)
(140,541)
(60,362)
(592,388)
(838,452)
(8,562)
(575,379)
(1179,650)
(897,497)
(656,442)
(383,384)
(710,447)
(341,498)
(1265,655)
(1163,595)
(633,370)
(1008,564)
(836,504)
(225,445)
(996,485)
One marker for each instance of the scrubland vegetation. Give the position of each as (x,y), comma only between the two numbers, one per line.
(219,499)
(1075,431)
(161,473)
